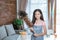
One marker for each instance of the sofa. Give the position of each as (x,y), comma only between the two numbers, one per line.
(7,32)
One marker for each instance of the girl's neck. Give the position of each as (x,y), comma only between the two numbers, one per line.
(38,22)
(38,19)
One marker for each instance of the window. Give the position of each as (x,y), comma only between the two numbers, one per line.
(37,4)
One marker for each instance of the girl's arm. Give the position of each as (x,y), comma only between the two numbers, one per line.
(44,29)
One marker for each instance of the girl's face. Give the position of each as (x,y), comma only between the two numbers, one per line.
(37,15)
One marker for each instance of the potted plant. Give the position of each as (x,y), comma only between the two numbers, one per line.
(18,23)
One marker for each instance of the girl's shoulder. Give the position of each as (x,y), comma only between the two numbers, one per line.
(43,23)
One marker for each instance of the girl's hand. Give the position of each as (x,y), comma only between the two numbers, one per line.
(36,35)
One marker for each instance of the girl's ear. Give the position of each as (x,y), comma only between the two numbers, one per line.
(40,14)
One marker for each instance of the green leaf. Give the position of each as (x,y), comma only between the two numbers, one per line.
(18,22)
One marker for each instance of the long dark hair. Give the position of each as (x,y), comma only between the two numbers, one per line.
(34,19)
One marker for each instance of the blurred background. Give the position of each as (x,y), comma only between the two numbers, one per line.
(50,8)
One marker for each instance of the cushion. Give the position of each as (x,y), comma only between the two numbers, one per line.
(3,33)
(10,30)
(12,37)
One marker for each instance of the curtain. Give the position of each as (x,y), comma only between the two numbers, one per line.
(23,4)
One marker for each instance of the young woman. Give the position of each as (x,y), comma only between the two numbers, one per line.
(39,27)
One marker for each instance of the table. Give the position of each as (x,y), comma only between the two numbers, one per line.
(24,37)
